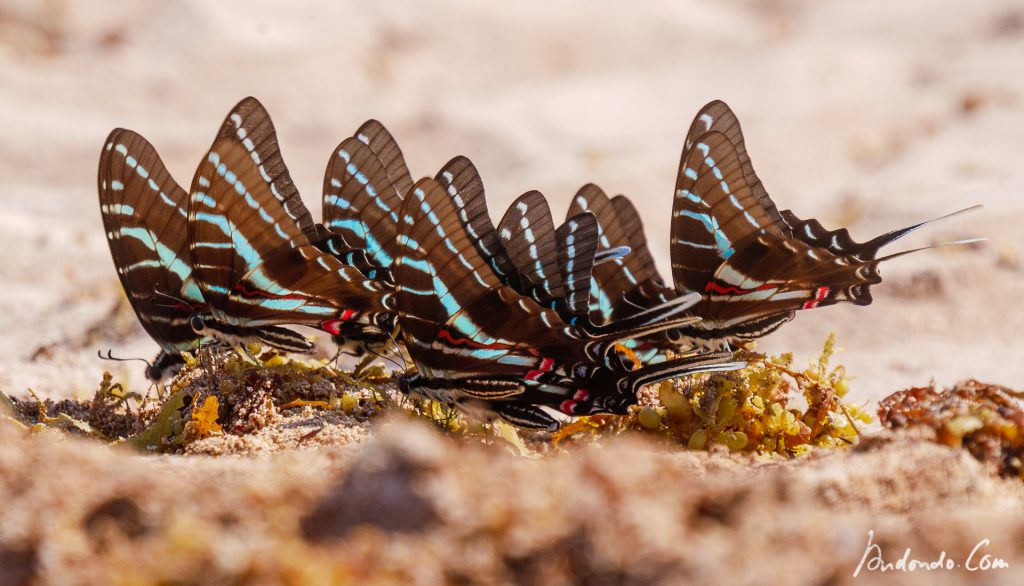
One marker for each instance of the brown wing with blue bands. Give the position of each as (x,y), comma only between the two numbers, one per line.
(254,264)
(145,217)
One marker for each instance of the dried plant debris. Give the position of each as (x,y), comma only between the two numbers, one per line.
(217,394)
(767,407)
(225,393)
(987,420)
(107,415)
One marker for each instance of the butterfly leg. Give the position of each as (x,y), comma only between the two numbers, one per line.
(201,353)
(158,387)
(363,364)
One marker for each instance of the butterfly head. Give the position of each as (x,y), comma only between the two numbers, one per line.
(198,324)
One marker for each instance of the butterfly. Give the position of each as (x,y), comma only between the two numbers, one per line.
(253,244)
(145,215)
(754,265)
(757,266)
(365,181)
(477,341)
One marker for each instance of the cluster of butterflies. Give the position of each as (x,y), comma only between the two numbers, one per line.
(525,318)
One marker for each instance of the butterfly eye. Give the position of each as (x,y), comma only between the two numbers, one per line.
(404,384)
(197,324)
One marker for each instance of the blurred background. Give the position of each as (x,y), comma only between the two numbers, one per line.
(871,115)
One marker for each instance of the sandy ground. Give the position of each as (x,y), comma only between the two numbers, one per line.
(871,115)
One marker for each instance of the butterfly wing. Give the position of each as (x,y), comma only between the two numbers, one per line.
(253,263)
(651,288)
(374,135)
(457,317)
(145,217)
(528,234)
(631,277)
(364,184)
(460,178)
(577,247)
(714,208)
(840,243)
(772,277)
(250,125)
(718,117)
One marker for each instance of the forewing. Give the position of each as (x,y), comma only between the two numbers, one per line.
(460,178)
(361,200)
(577,245)
(145,218)
(249,124)
(652,289)
(528,234)
(713,209)
(717,116)
(456,315)
(613,280)
(253,263)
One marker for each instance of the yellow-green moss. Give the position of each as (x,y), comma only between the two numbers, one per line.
(749,410)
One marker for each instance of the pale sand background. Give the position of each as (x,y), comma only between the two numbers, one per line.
(870,114)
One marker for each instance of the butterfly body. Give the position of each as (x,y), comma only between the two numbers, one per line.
(753,265)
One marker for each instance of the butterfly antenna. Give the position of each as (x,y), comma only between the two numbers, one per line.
(110,356)
(172,298)
(380,355)
(398,349)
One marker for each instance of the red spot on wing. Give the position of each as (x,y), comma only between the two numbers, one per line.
(820,294)
(244,291)
(568,406)
(714,287)
(333,326)
(447,336)
(545,366)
